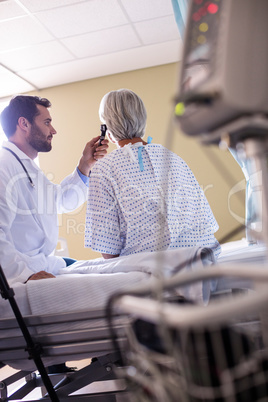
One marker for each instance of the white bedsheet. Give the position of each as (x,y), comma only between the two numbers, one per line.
(243,252)
(240,252)
(88,284)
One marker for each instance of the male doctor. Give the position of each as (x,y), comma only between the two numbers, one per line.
(29,202)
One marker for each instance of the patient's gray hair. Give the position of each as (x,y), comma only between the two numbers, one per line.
(124,114)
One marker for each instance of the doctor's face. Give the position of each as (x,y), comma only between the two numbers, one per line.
(42,131)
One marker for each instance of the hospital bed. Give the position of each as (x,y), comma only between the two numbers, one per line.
(66,319)
(72,319)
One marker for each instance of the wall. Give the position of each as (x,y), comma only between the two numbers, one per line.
(75,116)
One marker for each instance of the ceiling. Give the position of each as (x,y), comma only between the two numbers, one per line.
(45,43)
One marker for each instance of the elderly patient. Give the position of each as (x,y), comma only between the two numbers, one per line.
(142,197)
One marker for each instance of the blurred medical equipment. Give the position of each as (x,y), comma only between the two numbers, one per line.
(182,352)
(223,97)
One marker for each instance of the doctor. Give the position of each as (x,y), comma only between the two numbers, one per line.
(29,202)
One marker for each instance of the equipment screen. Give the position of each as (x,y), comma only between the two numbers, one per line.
(201,42)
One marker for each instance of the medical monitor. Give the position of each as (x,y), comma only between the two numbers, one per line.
(224,69)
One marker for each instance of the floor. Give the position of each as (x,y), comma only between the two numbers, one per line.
(36,394)
(7,371)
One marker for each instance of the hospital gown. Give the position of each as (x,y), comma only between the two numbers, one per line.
(146,198)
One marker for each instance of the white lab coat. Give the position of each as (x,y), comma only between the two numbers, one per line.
(29,215)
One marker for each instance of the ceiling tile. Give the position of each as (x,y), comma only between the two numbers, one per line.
(55,42)
(107,41)
(40,5)
(157,30)
(10,9)
(91,67)
(139,10)
(40,55)
(20,32)
(11,84)
(83,17)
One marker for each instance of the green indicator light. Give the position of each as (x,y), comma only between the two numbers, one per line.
(179,109)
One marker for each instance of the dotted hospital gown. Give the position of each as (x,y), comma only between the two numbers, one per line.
(146,198)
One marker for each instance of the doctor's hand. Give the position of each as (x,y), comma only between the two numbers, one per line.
(40,275)
(91,153)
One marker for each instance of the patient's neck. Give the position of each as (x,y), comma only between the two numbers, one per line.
(122,143)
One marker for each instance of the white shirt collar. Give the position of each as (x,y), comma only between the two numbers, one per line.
(15,149)
(21,154)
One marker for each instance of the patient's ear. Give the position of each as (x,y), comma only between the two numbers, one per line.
(111,138)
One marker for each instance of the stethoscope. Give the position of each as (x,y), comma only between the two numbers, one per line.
(24,168)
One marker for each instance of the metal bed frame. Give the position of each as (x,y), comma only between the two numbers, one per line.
(75,344)
(112,345)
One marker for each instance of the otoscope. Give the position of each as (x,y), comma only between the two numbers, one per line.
(103,129)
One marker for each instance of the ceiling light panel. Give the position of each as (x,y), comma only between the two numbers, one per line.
(20,32)
(107,41)
(83,17)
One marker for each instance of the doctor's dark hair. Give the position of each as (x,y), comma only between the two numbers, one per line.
(124,114)
(21,106)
